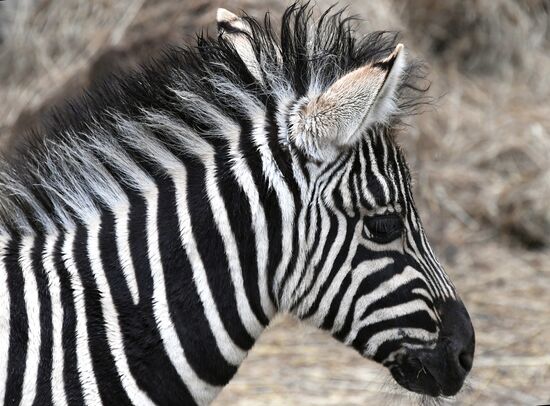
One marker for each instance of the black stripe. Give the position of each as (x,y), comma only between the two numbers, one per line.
(331,236)
(335,267)
(108,381)
(268,197)
(144,347)
(294,257)
(387,347)
(19,325)
(186,309)
(212,252)
(70,371)
(366,286)
(44,388)
(389,167)
(240,219)
(379,153)
(419,319)
(362,171)
(311,253)
(402,294)
(328,322)
(284,165)
(320,189)
(374,186)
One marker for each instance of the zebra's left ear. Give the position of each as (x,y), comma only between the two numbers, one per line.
(322,125)
(236,31)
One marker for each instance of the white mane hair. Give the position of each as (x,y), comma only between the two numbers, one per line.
(184,106)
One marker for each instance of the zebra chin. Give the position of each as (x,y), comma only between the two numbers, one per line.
(440,368)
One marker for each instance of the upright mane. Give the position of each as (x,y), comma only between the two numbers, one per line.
(184,104)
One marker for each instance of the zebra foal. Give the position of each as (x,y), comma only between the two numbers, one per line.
(154,230)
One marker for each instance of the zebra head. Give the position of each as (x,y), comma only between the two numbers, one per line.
(364,269)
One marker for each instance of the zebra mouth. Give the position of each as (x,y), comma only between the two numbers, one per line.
(412,375)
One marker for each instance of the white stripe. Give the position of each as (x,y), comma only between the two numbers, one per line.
(399,310)
(376,172)
(316,258)
(58,382)
(110,315)
(382,139)
(83,357)
(123,248)
(273,175)
(286,297)
(414,252)
(32,306)
(394,334)
(409,236)
(230,351)
(384,289)
(432,281)
(201,391)
(345,189)
(363,190)
(314,213)
(336,283)
(4,320)
(436,266)
(242,173)
(292,290)
(335,249)
(247,316)
(392,172)
(362,271)
(433,271)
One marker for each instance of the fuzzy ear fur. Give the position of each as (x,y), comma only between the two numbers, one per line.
(322,125)
(236,31)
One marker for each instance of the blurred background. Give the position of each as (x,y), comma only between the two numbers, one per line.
(480,159)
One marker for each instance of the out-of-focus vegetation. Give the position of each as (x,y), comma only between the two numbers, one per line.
(480,158)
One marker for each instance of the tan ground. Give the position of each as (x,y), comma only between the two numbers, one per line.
(480,157)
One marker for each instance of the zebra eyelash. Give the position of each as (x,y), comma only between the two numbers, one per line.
(384,210)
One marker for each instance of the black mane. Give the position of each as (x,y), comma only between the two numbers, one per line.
(336,49)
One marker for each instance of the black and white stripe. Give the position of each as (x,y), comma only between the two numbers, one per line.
(150,235)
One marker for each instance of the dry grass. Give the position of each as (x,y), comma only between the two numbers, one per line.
(481,160)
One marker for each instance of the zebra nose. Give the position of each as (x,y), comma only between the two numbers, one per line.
(466,359)
(460,354)
(458,345)
(458,330)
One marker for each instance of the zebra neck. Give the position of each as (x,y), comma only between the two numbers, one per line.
(161,290)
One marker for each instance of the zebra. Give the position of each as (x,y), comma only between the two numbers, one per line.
(154,227)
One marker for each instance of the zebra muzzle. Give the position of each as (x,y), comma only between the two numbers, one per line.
(441,370)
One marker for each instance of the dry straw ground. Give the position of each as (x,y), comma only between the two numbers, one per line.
(481,159)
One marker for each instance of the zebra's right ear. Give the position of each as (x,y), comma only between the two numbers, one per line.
(237,32)
(323,124)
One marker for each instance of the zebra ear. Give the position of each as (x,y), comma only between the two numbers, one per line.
(237,32)
(324,124)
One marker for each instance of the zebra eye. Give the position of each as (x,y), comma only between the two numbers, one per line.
(385,228)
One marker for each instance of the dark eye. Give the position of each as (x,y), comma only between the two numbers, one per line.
(384,228)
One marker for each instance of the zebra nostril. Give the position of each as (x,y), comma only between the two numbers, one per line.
(466,360)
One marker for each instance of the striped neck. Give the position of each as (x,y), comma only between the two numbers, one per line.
(177,276)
